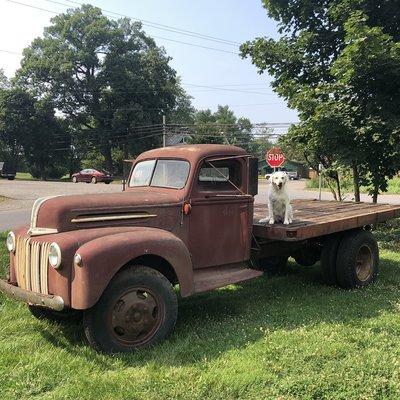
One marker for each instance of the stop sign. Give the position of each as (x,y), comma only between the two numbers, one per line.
(275,157)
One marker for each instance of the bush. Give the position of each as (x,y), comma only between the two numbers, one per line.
(50,172)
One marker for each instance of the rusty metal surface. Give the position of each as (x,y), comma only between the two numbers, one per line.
(215,277)
(43,300)
(313,218)
(104,256)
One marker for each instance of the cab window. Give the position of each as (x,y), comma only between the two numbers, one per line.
(217,174)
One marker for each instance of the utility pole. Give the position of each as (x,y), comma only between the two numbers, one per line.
(164,130)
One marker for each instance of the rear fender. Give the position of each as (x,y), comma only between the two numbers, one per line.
(103,257)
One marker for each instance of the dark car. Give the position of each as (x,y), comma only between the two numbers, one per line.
(90,175)
(7,171)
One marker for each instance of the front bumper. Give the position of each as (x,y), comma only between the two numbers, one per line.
(43,300)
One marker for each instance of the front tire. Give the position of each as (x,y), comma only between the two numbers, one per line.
(74,179)
(138,309)
(94,180)
(357,260)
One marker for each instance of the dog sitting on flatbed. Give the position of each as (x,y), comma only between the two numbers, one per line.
(279,207)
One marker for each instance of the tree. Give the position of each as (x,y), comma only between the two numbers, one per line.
(30,131)
(4,82)
(324,46)
(16,113)
(107,77)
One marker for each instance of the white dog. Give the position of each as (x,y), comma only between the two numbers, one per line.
(279,208)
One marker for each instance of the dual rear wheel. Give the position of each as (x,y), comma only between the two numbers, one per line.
(350,260)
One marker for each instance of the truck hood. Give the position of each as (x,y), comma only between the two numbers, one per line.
(136,207)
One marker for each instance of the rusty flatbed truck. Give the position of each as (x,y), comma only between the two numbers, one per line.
(185,218)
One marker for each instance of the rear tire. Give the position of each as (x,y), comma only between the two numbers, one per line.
(357,260)
(93,180)
(138,309)
(74,179)
(329,258)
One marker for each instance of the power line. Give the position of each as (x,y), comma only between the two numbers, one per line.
(165,27)
(157,37)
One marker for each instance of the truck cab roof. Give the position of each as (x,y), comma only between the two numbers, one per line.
(193,152)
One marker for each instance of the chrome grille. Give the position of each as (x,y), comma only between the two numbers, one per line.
(31,265)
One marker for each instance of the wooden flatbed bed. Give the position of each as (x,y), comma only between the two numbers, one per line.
(313,218)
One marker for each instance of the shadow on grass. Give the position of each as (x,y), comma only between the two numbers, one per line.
(231,318)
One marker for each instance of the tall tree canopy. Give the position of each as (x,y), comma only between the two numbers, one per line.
(337,63)
(107,77)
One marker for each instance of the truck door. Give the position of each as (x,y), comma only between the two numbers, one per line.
(221,214)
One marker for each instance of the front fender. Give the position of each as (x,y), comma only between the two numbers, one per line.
(103,257)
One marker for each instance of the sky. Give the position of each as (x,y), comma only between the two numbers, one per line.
(211,77)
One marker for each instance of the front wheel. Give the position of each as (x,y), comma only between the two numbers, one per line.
(357,260)
(138,309)
(74,179)
(94,180)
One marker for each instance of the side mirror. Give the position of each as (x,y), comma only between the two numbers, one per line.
(252,176)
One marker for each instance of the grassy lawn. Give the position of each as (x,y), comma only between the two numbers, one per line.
(347,186)
(284,337)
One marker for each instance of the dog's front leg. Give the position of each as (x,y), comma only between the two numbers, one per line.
(287,221)
(271,219)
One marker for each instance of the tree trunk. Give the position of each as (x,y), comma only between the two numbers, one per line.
(107,155)
(338,186)
(356,182)
(375,194)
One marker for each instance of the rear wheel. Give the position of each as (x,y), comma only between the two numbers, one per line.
(74,179)
(138,309)
(93,180)
(357,260)
(329,258)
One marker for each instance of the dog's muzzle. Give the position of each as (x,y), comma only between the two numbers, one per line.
(280,185)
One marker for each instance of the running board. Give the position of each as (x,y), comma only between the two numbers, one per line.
(206,279)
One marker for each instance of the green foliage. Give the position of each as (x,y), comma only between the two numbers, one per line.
(30,131)
(333,64)
(284,337)
(224,127)
(108,77)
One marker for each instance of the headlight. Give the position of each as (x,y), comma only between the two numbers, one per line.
(55,255)
(10,241)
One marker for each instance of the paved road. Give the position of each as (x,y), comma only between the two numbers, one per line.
(16,212)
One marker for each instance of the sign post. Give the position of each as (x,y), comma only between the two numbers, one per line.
(275,157)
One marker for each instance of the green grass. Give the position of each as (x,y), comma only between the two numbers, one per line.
(347,186)
(286,337)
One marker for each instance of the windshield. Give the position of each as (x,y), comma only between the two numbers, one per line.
(161,173)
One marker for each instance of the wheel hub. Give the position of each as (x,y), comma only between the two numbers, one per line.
(135,316)
(364,263)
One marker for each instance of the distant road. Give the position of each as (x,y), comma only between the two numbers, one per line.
(14,218)
(16,212)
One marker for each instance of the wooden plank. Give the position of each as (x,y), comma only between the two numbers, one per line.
(317,218)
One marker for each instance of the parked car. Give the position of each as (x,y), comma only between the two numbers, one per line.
(90,175)
(293,175)
(6,171)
